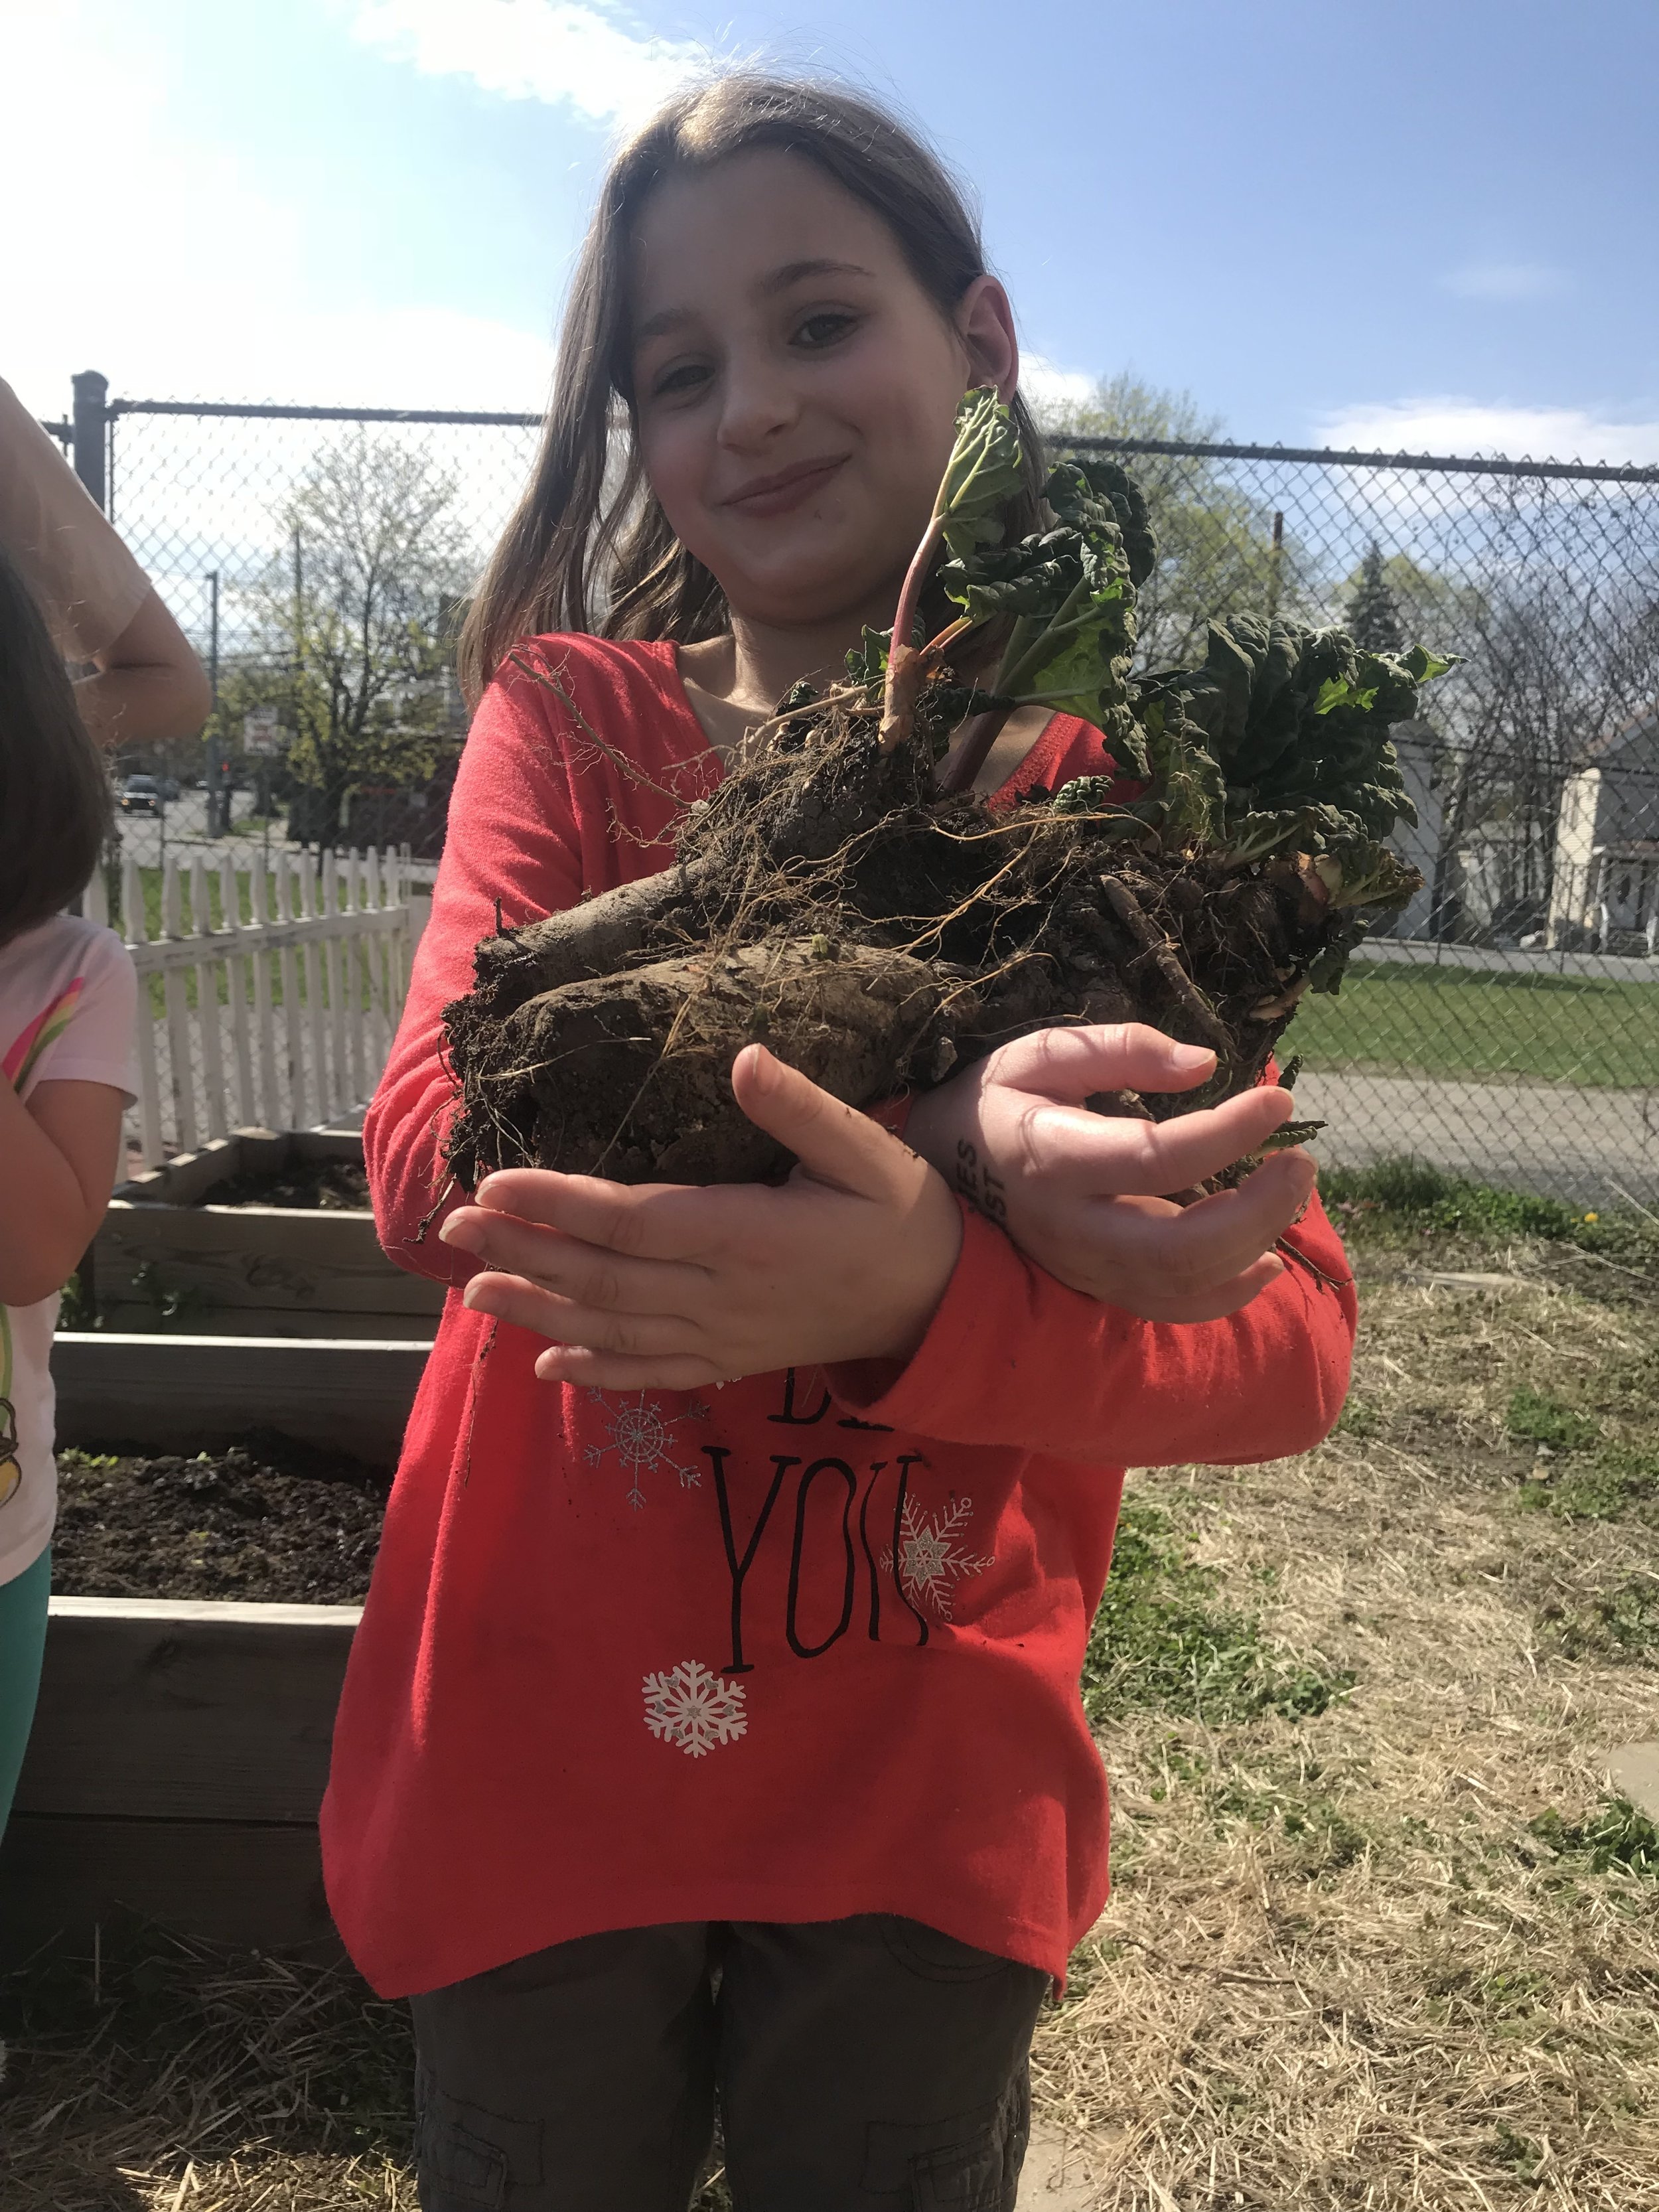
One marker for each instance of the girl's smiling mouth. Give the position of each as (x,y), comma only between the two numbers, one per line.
(789,488)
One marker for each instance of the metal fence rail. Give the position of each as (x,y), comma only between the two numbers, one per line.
(1508,1025)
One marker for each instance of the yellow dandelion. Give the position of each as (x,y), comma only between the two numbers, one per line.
(1592,1217)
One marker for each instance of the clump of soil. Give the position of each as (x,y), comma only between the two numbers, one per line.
(270,1519)
(333,1186)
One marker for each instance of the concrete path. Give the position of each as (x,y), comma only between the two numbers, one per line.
(1565,1143)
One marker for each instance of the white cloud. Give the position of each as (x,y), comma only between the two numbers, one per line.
(1504,280)
(588,56)
(1465,426)
(235,315)
(1045,384)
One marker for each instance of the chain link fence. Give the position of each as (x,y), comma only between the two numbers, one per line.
(1505,1026)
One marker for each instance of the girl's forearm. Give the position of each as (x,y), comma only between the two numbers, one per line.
(46,1218)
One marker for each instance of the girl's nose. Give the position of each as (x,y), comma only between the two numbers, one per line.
(757,401)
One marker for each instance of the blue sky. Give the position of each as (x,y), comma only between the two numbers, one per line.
(1403,223)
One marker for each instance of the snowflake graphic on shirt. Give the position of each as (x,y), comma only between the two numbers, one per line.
(689,1706)
(931,1561)
(641,1435)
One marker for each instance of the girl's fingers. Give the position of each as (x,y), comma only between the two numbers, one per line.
(590,1274)
(647,1220)
(609,1370)
(1072,1063)
(1209,1243)
(1100,1154)
(834,1143)
(528,1305)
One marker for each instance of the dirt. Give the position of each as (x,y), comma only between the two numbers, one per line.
(332,1186)
(271,1520)
(827,905)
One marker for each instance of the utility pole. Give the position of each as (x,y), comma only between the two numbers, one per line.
(90,420)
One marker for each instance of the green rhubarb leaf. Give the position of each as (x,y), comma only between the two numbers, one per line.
(983,472)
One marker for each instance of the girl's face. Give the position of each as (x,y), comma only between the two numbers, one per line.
(795,388)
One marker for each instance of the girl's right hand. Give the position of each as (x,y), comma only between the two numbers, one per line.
(1086,1195)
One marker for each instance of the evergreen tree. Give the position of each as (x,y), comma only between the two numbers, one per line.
(1373,620)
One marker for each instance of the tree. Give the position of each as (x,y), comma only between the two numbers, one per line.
(353,642)
(1373,619)
(1216,545)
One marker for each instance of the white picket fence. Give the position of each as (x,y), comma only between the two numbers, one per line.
(293,1005)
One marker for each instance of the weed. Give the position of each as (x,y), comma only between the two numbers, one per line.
(1524,2158)
(1620,1477)
(1400,1199)
(1163,1640)
(1617,1835)
(1535,1418)
(1622,1623)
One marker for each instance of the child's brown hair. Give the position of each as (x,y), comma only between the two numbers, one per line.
(579,553)
(54,789)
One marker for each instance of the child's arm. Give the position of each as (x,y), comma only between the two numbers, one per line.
(509,851)
(57,1162)
(1014,1357)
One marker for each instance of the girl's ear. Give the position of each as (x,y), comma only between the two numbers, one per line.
(985,324)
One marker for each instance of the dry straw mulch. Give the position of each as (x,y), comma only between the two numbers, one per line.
(1396,1953)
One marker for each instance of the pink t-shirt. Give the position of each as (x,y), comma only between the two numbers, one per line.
(67,999)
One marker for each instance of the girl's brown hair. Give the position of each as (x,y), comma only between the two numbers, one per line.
(583,553)
(54,795)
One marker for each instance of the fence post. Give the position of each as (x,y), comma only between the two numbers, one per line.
(90,420)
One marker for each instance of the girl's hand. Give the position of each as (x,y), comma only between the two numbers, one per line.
(671,1286)
(1084,1194)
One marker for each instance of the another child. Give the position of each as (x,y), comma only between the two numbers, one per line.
(715,1719)
(66,1012)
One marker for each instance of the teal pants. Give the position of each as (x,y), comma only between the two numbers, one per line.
(22,1640)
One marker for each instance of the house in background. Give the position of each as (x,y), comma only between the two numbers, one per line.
(1416,744)
(1605,896)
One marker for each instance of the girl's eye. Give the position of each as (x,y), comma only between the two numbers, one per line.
(824,328)
(676,383)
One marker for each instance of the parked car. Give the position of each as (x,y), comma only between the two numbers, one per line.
(141,794)
(169,788)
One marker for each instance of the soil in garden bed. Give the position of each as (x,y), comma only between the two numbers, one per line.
(271,1519)
(335,1186)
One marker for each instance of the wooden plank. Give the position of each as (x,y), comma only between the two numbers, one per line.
(214,1105)
(135,932)
(201,1393)
(293,1012)
(230,908)
(256,1886)
(318,1261)
(175,994)
(139,1317)
(185,1712)
(339,1089)
(269,1108)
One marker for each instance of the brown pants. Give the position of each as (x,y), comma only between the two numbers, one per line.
(862,2065)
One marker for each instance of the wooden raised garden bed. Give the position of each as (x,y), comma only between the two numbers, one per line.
(173,1256)
(181,1749)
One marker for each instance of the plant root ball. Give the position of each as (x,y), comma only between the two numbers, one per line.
(629,1076)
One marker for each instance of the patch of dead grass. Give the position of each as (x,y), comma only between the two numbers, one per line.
(1341,1968)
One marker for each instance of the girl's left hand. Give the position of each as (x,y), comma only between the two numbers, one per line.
(674,1286)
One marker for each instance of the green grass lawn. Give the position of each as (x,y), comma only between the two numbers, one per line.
(1470,1021)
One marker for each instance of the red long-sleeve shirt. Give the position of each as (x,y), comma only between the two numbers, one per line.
(799,1648)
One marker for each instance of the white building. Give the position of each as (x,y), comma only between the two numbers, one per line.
(1606,892)
(1415,742)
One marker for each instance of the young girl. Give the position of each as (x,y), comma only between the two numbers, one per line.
(66,1010)
(714,1717)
